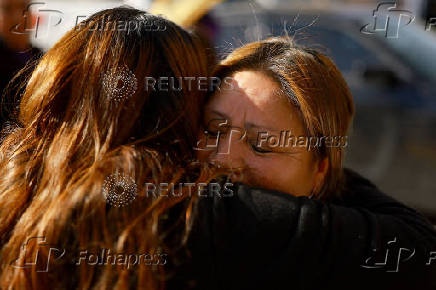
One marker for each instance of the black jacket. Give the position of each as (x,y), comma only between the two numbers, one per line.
(11,63)
(260,239)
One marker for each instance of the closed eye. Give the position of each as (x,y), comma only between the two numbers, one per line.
(259,149)
(211,133)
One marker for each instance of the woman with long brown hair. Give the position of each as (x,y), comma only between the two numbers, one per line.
(88,136)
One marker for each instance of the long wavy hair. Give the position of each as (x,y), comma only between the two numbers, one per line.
(87,122)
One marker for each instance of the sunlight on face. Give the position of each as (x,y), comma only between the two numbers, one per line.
(255,110)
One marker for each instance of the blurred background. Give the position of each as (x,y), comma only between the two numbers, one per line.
(385,50)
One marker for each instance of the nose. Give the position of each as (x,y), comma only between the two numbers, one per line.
(231,153)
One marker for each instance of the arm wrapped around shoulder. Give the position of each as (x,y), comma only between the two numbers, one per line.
(262,239)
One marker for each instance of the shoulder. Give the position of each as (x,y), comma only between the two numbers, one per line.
(278,235)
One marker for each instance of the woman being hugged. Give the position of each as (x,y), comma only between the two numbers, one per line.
(282,125)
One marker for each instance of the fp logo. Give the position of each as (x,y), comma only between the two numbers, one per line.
(392,258)
(223,130)
(35,20)
(41,265)
(388,18)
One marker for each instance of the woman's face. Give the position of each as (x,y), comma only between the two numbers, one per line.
(244,115)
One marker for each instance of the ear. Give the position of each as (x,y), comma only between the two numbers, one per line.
(321,169)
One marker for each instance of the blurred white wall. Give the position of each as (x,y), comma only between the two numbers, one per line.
(56,17)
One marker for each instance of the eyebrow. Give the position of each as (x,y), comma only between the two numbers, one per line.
(248,125)
(220,114)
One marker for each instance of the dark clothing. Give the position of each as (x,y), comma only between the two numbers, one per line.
(11,64)
(261,239)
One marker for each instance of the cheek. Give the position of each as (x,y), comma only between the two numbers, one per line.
(286,174)
(199,147)
(203,156)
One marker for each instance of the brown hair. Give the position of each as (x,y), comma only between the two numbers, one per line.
(313,84)
(71,135)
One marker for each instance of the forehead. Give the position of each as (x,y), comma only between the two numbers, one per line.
(255,87)
(256,98)
(251,89)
